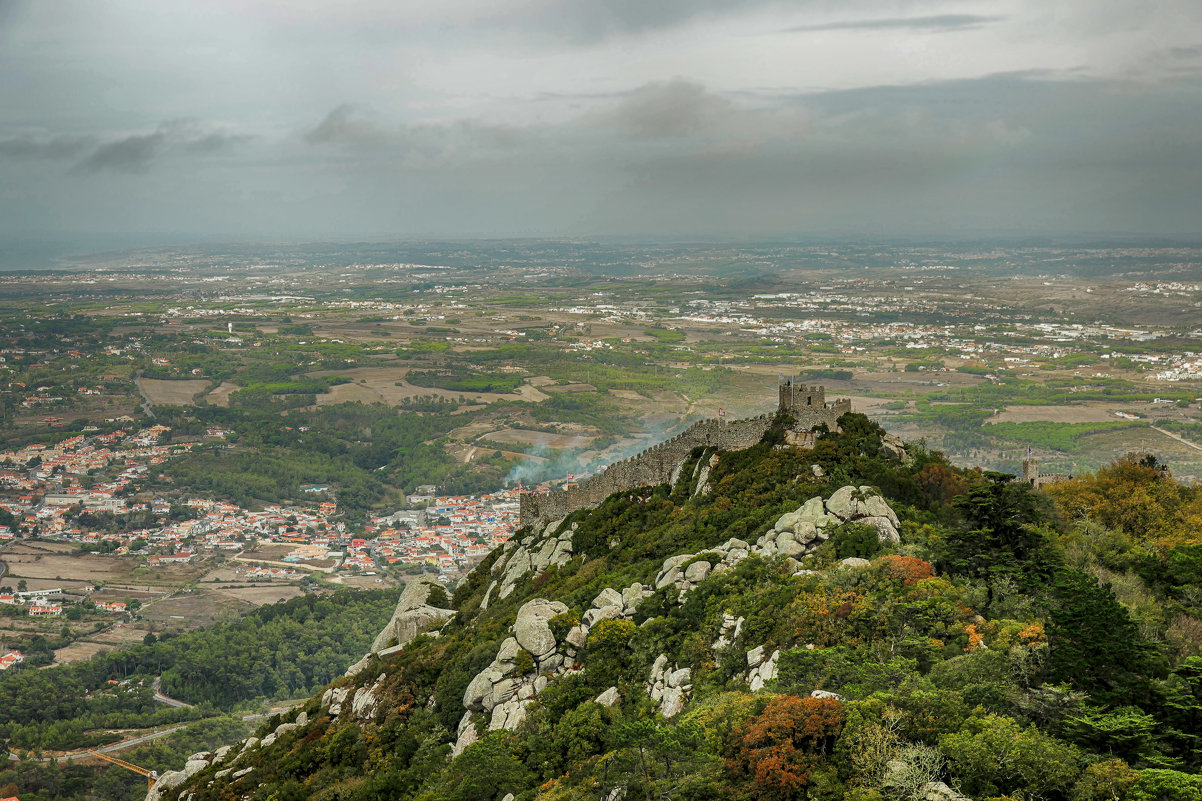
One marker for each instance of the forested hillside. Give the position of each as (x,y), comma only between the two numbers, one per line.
(285,650)
(700,641)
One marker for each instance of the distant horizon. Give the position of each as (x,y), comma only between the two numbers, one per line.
(701,120)
(72,252)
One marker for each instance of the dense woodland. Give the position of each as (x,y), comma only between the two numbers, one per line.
(363,451)
(285,650)
(75,781)
(1017,644)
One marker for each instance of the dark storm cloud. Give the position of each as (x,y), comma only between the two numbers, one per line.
(348,132)
(54,147)
(136,153)
(345,125)
(131,154)
(941,22)
(212,143)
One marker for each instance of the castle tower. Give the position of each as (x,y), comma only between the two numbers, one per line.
(797,397)
(1031,469)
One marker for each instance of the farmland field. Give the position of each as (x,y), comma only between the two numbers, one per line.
(172,392)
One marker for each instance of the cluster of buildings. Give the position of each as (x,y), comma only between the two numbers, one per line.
(450,533)
(49,479)
(1011,339)
(50,602)
(1182,367)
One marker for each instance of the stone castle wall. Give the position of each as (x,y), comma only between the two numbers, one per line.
(1032,476)
(655,466)
(651,467)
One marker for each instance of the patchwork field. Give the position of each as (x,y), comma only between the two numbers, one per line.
(221,395)
(379,385)
(259,595)
(1073,413)
(107,640)
(171,393)
(196,608)
(51,564)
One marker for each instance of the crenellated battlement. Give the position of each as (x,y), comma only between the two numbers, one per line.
(657,464)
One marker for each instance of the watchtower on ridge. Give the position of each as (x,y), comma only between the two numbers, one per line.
(807,405)
(794,396)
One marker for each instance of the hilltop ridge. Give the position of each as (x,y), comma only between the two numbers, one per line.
(843,619)
(801,410)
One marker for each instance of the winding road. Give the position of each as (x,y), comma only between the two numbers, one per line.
(108,749)
(162,699)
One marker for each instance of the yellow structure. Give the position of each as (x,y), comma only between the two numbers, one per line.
(150,775)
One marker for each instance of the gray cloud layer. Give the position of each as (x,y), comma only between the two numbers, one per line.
(941,22)
(495,117)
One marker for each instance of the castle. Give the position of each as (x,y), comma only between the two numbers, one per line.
(1032,476)
(658,464)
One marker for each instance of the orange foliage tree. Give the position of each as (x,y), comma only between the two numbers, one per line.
(906,569)
(940,483)
(781,746)
(1136,498)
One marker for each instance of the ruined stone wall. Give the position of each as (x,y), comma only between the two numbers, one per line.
(806,404)
(647,469)
(808,407)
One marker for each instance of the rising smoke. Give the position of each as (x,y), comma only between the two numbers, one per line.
(556,463)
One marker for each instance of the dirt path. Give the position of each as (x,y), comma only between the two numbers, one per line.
(146,405)
(1182,440)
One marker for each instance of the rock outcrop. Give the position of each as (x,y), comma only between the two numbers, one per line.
(799,533)
(412,615)
(761,670)
(670,688)
(534,553)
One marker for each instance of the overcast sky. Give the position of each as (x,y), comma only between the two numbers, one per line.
(379,118)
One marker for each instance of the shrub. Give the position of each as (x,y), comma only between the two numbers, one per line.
(854,539)
(562,623)
(524,662)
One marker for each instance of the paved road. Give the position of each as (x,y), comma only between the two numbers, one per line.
(146,404)
(108,749)
(162,699)
(105,749)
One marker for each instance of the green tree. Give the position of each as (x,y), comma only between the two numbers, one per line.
(487,770)
(994,755)
(1094,643)
(1165,785)
(1181,699)
(607,652)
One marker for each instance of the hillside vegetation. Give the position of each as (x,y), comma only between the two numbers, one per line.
(1013,645)
(284,650)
